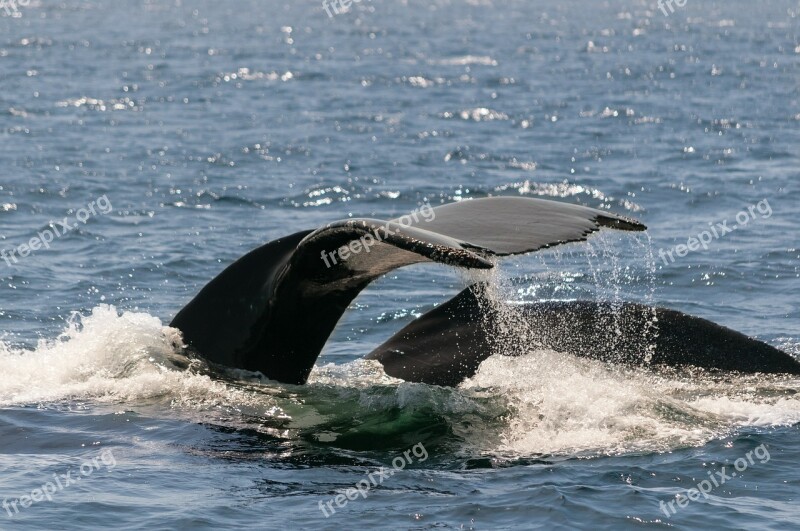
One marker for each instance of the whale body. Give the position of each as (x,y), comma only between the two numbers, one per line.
(272,310)
(447,344)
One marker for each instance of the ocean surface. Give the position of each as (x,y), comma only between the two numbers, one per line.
(173,137)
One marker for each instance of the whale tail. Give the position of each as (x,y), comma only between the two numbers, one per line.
(273,309)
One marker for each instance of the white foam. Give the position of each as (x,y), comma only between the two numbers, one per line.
(563,404)
(542,403)
(107,356)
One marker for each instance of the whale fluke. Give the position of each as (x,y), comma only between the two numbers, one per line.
(515,225)
(273,309)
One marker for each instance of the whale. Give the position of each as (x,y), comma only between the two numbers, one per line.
(272,310)
(446,345)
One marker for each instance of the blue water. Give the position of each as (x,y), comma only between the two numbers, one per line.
(209,128)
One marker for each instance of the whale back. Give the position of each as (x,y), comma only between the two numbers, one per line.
(447,344)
